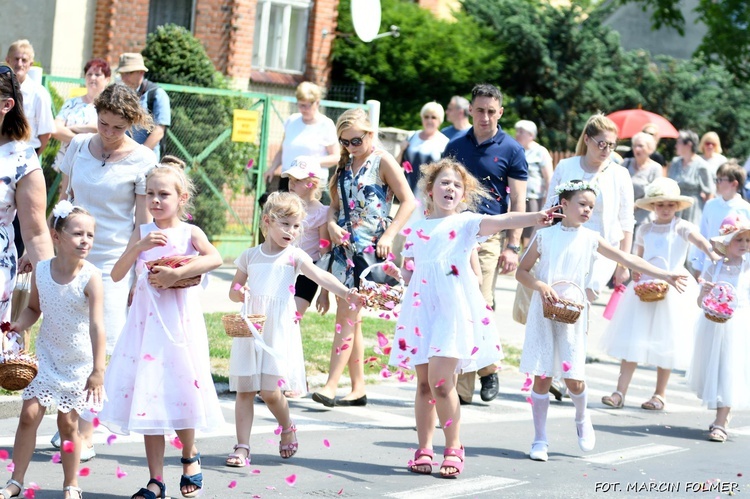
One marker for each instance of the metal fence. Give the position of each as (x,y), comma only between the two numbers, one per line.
(201,134)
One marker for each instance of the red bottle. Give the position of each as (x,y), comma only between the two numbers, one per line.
(614,300)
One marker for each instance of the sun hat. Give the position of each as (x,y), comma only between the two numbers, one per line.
(731,226)
(131,61)
(304,167)
(661,190)
(527,125)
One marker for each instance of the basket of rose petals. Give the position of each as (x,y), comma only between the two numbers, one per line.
(564,310)
(174,262)
(380,296)
(17,366)
(718,304)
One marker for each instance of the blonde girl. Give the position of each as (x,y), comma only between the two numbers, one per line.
(566,252)
(268,362)
(70,347)
(159,376)
(371,178)
(445,327)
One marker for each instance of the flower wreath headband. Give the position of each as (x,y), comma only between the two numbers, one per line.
(62,209)
(577,185)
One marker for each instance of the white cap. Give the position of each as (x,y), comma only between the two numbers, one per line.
(527,125)
(304,167)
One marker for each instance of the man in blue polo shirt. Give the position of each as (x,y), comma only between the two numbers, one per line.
(499,163)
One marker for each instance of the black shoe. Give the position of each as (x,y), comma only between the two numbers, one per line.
(360,402)
(557,389)
(463,402)
(322,399)
(490,387)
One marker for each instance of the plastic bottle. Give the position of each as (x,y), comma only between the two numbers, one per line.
(614,300)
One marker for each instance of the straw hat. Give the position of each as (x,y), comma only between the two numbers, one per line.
(731,226)
(304,167)
(131,61)
(661,190)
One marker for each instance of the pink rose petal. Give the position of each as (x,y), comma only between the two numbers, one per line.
(148,357)
(195,383)
(68,446)
(250,163)
(326,443)
(280,383)
(176,443)
(390,257)
(486,321)
(566,366)
(526,385)
(474,350)
(341,491)
(232,484)
(56,458)
(369,249)
(432,401)
(385,373)
(409,265)
(529,400)
(345,236)
(440,383)
(95,422)
(29,494)
(278,430)
(345,346)
(255,472)
(324,243)
(84,472)
(417,332)
(119,473)
(382,340)
(3,454)
(448,423)
(11,467)
(237,286)
(406,231)
(452,235)
(407,167)
(291,480)
(111,439)
(338,328)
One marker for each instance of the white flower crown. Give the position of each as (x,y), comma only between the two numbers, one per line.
(62,209)
(576,185)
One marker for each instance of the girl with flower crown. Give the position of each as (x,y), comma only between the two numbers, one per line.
(566,254)
(720,373)
(655,332)
(70,347)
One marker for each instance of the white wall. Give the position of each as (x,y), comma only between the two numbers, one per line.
(30,19)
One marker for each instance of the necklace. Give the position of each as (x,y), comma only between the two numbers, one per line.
(105,157)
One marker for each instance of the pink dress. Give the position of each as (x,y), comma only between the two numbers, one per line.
(159,376)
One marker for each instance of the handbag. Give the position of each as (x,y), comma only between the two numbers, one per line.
(334,262)
(521,301)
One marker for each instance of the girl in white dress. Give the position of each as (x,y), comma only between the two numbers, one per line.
(70,347)
(720,373)
(657,333)
(268,363)
(159,377)
(445,326)
(566,252)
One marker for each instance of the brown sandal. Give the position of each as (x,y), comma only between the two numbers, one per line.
(608,400)
(655,403)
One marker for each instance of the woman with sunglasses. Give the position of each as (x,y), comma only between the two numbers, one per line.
(423,146)
(710,149)
(371,178)
(693,174)
(21,185)
(613,212)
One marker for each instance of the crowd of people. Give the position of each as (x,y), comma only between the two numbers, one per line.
(470,206)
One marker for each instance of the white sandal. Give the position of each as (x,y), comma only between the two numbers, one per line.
(5,492)
(609,401)
(234,457)
(70,489)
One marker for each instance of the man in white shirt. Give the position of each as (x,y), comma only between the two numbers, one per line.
(37,103)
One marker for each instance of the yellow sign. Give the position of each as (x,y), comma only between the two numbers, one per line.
(245,125)
(77,92)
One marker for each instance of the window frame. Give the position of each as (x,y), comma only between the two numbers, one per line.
(262,29)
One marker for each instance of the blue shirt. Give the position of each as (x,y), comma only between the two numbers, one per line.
(492,163)
(162,115)
(450,131)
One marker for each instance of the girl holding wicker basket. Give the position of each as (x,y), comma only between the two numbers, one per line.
(159,376)
(445,327)
(71,345)
(651,325)
(555,343)
(268,361)
(720,372)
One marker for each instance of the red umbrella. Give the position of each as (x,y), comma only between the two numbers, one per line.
(632,121)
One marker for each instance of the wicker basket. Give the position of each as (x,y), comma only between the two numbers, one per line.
(17,368)
(236,326)
(380,296)
(565,311)
(713,315)
(174,262)
(650,291)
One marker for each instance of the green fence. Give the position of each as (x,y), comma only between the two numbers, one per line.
(201,134)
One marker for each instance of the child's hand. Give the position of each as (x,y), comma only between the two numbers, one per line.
(706,286)
(546,217)
(323,303)
(162,277)
(392,270)
(635,275)
(678,281)
(355,299)
(715,257)
(95,387)
(152,240)
(547,293)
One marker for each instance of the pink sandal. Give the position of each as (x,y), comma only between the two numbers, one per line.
(289,447)
(458,465)
(415,465)
(236,460)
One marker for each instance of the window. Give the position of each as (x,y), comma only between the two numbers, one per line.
(179,12)
(280,40)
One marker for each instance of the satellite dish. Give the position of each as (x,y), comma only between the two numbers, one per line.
(366,19)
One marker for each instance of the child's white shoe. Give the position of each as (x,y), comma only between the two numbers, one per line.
(586,434)
(87,454)
(55,440)
(539,451)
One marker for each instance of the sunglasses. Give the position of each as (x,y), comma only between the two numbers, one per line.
(719,180)
(7,69)
(356,141)
(603,144)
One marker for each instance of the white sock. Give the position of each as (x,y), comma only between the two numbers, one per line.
(539,411)
(579,401)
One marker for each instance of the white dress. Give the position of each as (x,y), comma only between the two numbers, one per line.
(657,333)
(443,313)
(720,372)
(254,366)
(565,254)
(159,377)
(108,192)
(63,346)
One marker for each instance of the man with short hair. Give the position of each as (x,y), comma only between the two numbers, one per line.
(37,103)
(132,71)
(457,113)
(499,163)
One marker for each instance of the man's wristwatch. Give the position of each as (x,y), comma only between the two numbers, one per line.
(514,248)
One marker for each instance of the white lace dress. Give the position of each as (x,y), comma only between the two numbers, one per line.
(565,254)
(443,313)
(63,346)
(658,333)
(720,372)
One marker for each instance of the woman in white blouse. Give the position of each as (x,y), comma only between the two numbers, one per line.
(613,213)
